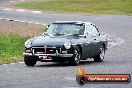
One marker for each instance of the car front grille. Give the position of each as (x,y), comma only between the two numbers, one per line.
(45,50)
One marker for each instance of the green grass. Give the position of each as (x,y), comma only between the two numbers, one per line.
(83,6)
(11,48)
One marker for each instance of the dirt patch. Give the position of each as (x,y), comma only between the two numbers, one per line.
(22,29)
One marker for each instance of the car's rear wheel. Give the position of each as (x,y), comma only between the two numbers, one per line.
(29,61)
(100,56)
(75,60)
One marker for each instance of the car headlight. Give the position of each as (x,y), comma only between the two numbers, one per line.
(28,44)
(67,45)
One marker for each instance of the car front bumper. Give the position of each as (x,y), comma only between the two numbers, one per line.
(54,55)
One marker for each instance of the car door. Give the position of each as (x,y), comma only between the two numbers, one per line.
(87,49)
(93,39)
(95,45)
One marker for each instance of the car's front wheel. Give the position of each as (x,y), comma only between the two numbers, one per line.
(75,60)
(29,61)
(100,56)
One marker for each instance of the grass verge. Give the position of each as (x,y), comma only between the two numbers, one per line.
(11,48)
(83,6)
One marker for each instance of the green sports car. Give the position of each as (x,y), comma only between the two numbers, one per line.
(66,41)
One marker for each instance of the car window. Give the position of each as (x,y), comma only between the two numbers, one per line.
(92,31)
(60,28)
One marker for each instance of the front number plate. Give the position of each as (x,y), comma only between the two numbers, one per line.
(45,58)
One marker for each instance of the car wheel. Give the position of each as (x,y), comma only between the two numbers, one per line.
(29,61)
(75,60)
(100,57)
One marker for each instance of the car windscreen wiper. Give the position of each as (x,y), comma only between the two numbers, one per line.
(59,33)
(45,33)
(73,34)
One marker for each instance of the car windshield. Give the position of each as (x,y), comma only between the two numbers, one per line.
(65,29)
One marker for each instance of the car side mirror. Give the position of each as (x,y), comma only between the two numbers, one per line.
(47,26)
(44,33)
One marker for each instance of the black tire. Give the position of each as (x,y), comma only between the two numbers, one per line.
(29,61)
(100,56)
(75,60)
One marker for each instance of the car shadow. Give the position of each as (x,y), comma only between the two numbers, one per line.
(46,64)
(86,62)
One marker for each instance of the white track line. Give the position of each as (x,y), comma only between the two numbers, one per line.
(12,63)
(22,0)
(21,62)
(4,64)
(23,21)
(20,10)
(36,11)
(11,1)
(7,9)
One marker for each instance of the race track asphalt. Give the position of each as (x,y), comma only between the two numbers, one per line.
(51,75)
